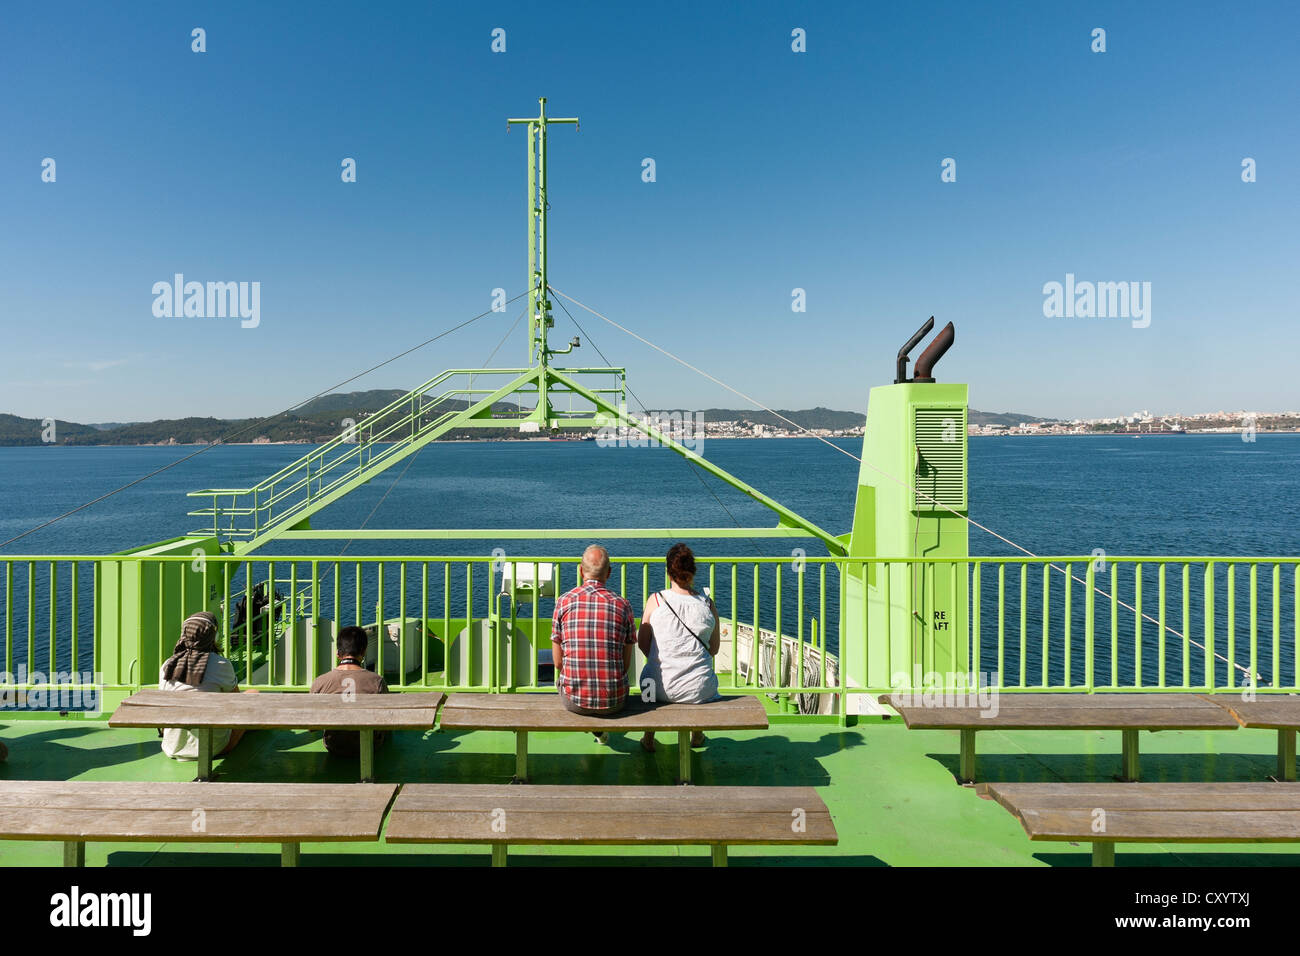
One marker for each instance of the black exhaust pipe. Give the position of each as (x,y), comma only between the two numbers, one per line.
(921,333)
(935,351)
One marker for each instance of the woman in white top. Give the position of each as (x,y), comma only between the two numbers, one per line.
(679,637)
(195,665)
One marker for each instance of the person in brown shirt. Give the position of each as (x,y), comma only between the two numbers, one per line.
(350,677)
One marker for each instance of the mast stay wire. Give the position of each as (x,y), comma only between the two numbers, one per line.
(1255,679)
(347,544)
(225,439)
(691,466)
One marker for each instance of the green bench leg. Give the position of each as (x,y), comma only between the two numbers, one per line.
(289,853)
(74,853)
(1103,854)
(720,854)
(367,756)
(683,756)
(1129,761)
(966,759)
(205,755)
(498,854)
(1286,754)
(521,759)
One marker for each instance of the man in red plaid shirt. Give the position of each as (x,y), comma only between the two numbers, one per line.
(591,641)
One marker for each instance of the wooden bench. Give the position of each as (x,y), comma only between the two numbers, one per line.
(80,811)
(202,713)
(525,713)
(1128,713)
(1280,713)
(1105,814)
(501,815)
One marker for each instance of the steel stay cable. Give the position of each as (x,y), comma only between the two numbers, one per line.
(901,483)
(347,544)
(692,467)
(247,428)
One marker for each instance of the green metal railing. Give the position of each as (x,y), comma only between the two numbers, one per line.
(334,465)
(1057,624)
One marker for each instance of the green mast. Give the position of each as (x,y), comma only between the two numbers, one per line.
(539,306)
(282,505)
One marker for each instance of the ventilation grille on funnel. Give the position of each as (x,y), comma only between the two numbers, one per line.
(941,471)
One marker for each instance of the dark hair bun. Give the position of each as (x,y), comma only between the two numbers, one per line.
(681,564)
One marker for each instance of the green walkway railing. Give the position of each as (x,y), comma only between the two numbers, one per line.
(1058,624)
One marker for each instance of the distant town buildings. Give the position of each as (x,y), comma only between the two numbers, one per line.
(1144,422)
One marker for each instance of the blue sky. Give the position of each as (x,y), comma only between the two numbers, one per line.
(775,170)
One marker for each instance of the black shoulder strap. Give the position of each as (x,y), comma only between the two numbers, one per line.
(663,599)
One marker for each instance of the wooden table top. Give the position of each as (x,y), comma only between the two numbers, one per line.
(460,813)
(205,812)
(198,710)
(1067,712)
(545,712)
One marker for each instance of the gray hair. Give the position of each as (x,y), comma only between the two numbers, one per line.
(595,563)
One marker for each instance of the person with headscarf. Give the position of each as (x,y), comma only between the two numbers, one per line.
(195,665)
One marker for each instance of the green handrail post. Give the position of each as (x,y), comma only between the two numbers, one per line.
(1024,623)
(1047,586)
(976,628)
(1160,587)
(1067,621)
(1114,623)
(1210,681)
(1088,622)
(1232,625)
(54,619)
(1137,624)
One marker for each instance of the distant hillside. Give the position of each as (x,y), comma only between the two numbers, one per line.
(322,419)
(29,431)
(318,421)
(976,417)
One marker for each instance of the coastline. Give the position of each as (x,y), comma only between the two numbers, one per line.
(548,441)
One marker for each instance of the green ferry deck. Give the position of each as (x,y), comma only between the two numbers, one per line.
(892,792)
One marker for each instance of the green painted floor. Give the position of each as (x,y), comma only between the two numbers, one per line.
(891,791)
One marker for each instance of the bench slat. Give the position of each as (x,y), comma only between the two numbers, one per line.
(682,799)
(1170,797)
(1278,713)
(244,826)
(660,828)
(230,812)
(158,708)
(187,801)
(1147,826)
(439,813)
(1132,701)
(1073,711)
(545,712)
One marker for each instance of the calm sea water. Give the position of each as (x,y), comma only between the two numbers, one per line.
(1194,495)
